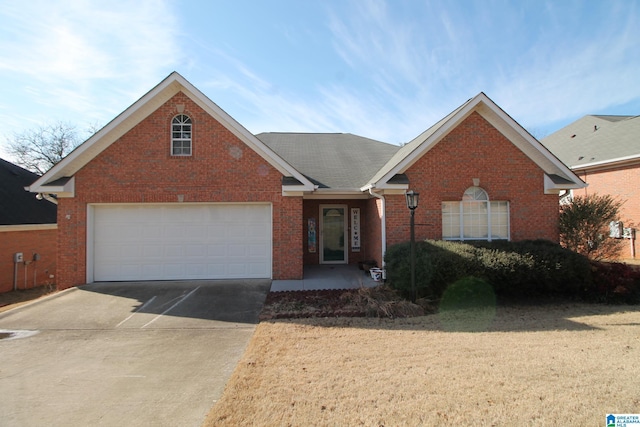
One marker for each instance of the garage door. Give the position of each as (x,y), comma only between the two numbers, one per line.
(172,242)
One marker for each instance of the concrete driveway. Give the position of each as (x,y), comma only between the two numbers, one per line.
(135,354)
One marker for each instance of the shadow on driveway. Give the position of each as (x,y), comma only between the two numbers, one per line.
(235,301)
(134,354)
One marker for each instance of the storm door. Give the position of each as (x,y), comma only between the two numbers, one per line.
(333,232)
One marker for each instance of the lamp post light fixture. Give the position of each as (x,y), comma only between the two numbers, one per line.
(412,204)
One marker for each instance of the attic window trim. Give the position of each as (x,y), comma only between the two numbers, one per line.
(181,136)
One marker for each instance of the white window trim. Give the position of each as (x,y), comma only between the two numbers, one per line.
(487,202)
(181,140)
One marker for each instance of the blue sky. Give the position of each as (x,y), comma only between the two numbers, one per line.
(386,70)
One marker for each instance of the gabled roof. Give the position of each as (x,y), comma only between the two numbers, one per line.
(137,112)
(19,206)
(563,177)
(597,141)
(342,163)
(338,161)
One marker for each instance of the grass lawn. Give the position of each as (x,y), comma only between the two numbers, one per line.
(561,364)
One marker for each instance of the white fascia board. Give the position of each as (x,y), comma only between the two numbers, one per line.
(293,190)
(529,138)
(141,109)
(463,113)
(427,144)
(113,130)
(337,194)
(612,163)
(387,186)
(242,133)
(66,190)
(551,187)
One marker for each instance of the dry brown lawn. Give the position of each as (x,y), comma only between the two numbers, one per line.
(565,364)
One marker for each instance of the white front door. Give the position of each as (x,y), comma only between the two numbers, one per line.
(333,234)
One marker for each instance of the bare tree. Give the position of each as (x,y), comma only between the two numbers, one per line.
(39,149)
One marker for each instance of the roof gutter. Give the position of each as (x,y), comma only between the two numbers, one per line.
(612,163)
(383,222)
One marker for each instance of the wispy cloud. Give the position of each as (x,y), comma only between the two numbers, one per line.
(574,60)
(591,66)
(73,50)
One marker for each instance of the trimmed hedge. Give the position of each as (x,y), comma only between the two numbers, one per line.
(398,266)
(525,268)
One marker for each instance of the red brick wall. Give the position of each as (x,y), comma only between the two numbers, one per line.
(138,168)
(42,242)
(621,183)
(475,149)
(373,231)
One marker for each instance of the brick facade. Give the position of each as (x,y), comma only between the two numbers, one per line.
(622,183)
(138,168)
(29,242)
(475,149)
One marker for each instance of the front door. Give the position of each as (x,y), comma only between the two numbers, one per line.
(333,232)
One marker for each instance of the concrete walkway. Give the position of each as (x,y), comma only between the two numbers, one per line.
(319,277)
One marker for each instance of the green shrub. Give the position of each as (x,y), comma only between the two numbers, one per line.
(398,266)
(534,267)
(513,268)
(468,293)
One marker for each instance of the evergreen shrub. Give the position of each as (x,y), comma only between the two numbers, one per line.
(519,269)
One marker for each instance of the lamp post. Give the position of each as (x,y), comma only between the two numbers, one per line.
(412,204)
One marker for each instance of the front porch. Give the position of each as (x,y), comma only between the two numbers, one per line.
(324,276)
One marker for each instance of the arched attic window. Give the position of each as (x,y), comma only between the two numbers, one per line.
(181,136)
(475,217)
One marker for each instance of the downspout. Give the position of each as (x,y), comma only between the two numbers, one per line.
(383,223)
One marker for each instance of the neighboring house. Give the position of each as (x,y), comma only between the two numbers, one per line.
(604,151)
(175,188)
(27,227)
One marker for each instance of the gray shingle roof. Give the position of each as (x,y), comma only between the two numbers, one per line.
(19,206)
(340,161)
(596,139)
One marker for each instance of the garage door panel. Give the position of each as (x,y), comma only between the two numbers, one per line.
(258,268)
(215,251)
(236,269)
(258,250)
(162,242)
(195,251)
(152,251)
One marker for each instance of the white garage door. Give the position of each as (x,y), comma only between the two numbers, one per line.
(171,242)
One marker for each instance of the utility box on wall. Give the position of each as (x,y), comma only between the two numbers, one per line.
(616,229)
(27,256)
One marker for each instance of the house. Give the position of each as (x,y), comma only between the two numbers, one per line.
(175,188)
(604,151)
(27,227)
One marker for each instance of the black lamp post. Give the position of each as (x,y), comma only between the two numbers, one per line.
(412,204)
